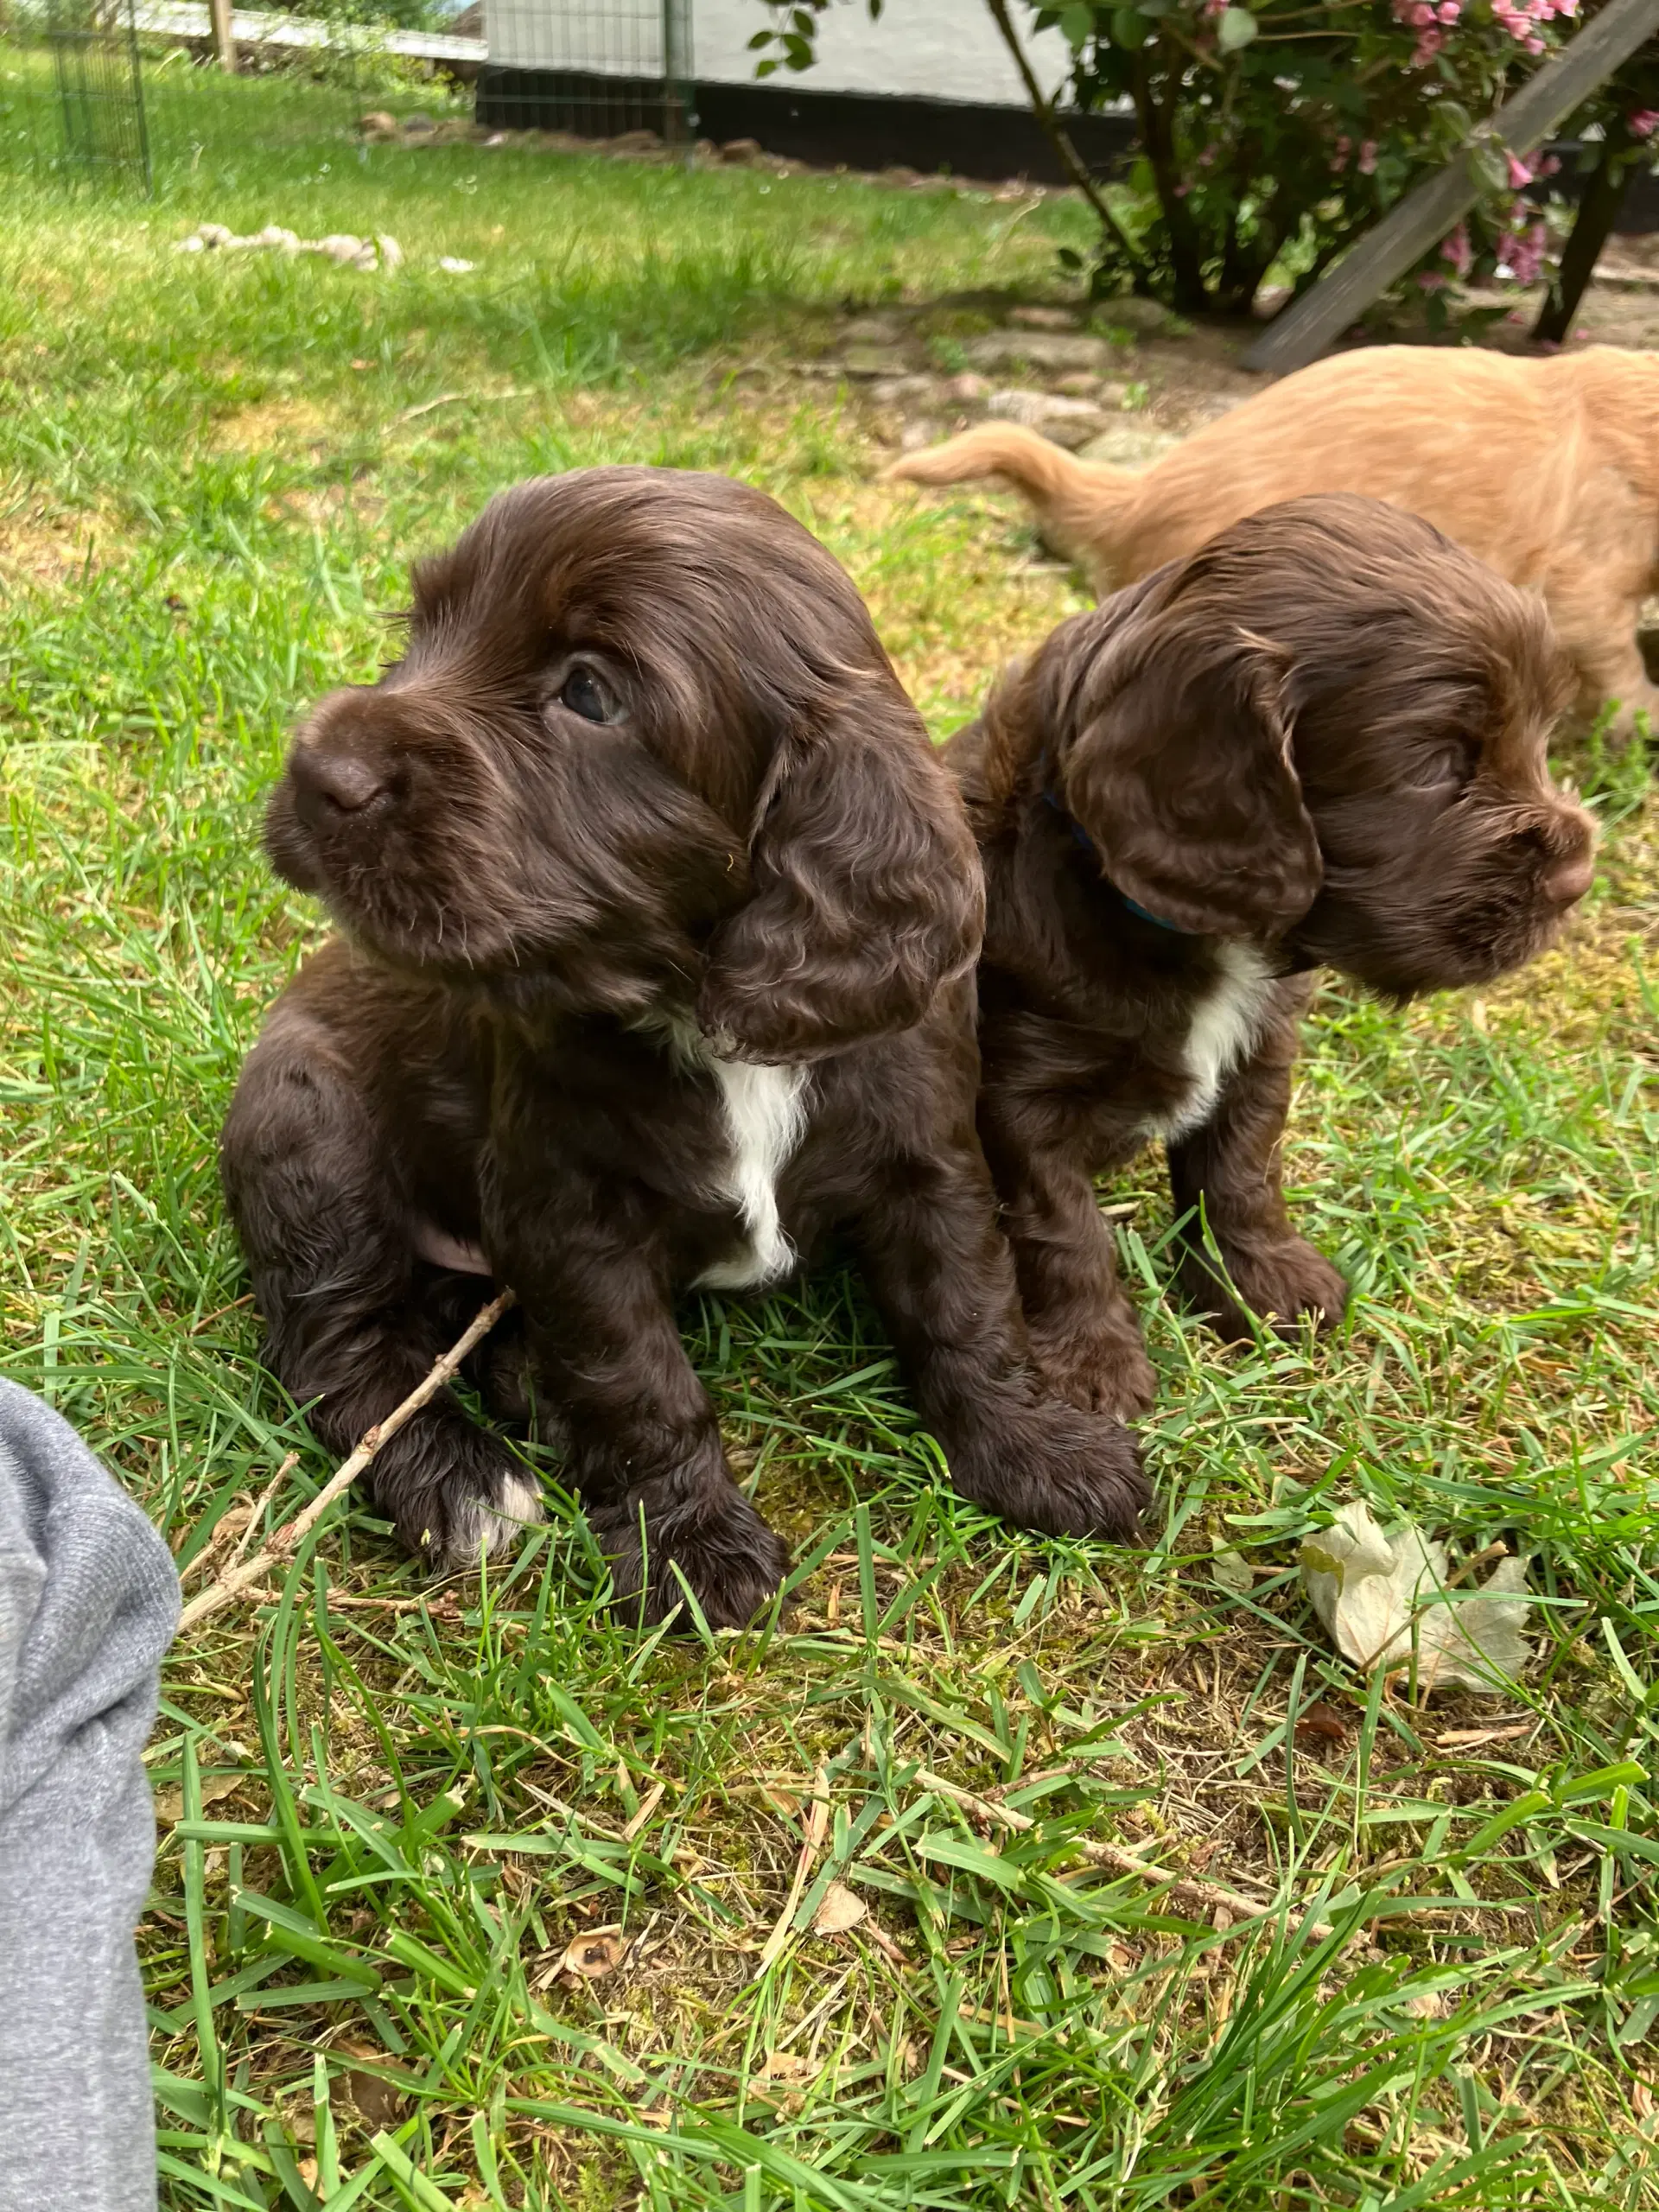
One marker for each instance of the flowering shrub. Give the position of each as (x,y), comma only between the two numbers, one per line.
(1276,132)
(1286,128)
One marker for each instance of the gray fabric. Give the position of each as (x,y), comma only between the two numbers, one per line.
(88,1603)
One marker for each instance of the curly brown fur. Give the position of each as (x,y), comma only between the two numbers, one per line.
(1547,470)
(1319,741)
(659,913)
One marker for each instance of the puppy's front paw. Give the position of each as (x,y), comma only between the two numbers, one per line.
(730,1559)
(1048,1466)
(1279,1283)
(455,1492)
(1100,1371)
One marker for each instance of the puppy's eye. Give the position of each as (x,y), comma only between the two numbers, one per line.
(1443,767)
(586,695)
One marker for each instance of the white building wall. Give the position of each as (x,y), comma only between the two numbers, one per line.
(931,49)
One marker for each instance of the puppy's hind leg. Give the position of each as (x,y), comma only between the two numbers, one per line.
(327,1238)
(1595,593)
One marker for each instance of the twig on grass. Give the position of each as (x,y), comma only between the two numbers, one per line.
(817,1826)
(426,406)
(261,1506)
(449,399)
(239,1544)
(1210,1895)
(254,1570)
(220,1312)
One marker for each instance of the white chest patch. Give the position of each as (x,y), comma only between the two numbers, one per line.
(1226,1023)
(765,1113)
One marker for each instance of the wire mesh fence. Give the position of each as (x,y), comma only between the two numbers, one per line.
(71,93)
(598,69)
(133,92)
(139,92)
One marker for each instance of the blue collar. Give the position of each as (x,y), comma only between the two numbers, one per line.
(1082,837)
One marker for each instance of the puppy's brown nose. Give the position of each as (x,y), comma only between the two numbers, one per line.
(331,784)
(1567,881)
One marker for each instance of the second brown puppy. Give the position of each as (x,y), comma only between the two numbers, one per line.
(1319,741)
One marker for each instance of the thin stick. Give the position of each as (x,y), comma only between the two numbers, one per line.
(237,1545)
(1055,131)
(1208,1894)
(254,1570)
(818,1823)
(261,1507)
(219,1314)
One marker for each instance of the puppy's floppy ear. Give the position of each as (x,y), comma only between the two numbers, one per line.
(1179,767)
(867,889)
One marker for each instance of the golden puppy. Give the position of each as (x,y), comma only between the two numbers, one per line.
(1547,470)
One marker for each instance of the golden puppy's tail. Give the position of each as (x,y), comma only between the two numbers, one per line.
(1076,500)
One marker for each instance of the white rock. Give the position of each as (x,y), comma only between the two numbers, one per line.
(1053,349)
(1066,421)
(454,265)
(392,254)
(1129,444)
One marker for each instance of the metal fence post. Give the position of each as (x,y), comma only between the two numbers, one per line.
(218,14)
(679,120)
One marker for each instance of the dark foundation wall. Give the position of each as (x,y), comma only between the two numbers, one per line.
(861,131)
(858,131)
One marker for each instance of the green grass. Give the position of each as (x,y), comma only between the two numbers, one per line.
(390,1812)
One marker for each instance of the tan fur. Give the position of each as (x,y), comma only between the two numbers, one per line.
(1547,470)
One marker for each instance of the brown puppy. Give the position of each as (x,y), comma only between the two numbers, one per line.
(1319,741)
(661,914)
(1547,470)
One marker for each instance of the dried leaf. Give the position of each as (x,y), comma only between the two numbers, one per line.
(840,1909)
(648,1804)
(380,2103)
(1322,1722)
(786,2066)
(1380,1595)
(169,1803)
(594,1956)
(1232,1572)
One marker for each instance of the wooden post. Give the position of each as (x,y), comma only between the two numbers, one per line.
(218,14)
(1604,191)
(1427,213)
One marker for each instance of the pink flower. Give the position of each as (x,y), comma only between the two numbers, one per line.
(1417,14)
(1521,254)
(1429,45)
(1644,122)
(1519,173)
(1339,161)
(1457,249)
(1430,282)
(1449,10)
(1367,164)
(1516,17)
